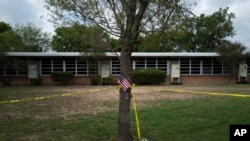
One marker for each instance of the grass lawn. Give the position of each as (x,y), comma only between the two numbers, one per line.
(204,118)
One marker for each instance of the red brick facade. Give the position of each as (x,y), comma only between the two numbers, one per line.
(85,80)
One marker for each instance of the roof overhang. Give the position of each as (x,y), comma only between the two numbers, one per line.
(113,54)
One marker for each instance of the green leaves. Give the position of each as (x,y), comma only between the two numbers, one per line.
(33,37)
(23,38)
(78,38)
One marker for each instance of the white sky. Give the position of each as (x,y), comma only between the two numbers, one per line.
(22,11)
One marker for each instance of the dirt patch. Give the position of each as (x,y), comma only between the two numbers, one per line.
(89,100)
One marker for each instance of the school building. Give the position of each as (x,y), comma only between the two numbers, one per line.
(180,67)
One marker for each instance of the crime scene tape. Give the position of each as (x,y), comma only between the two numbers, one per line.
(48,97)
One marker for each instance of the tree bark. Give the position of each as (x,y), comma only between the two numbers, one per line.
(124,122)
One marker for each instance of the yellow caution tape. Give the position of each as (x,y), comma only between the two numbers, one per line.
(48,97)
(136,115)
(209,93)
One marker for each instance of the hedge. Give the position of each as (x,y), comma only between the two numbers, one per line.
(62,78)
(36,81)
(148,77)
(95,80)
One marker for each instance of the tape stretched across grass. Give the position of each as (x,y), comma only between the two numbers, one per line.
(48,97)
(209,93)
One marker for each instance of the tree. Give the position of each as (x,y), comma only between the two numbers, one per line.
(33,37)
(231,54)
(191,33)
(9,40)
(125,19)
(23,38)
(205,33)
(79,38)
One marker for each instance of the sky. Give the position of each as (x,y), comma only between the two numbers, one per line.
(23,11)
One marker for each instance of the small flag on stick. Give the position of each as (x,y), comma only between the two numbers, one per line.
(124,83)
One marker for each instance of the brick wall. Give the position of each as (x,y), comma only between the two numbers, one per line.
(85,80)
(207,79)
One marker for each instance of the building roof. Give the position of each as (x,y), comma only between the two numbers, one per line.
(113,54)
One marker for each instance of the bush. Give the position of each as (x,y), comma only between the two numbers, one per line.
(62,78)
(148,77)
(108,81)
(95,80)
(36,81)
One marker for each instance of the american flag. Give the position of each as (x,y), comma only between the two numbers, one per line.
(123,82)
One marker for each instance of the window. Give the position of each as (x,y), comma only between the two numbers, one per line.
(82,67)
(185,65)
(207,65)
(140,63)
(22,66)
(93,67)
(2,67)
(195,66)
(248,65)
(57,64)
(10,68)
(70,65)
(115,66)
(217,67)
(151,63)
(14,66)
(46,66)
(162,64)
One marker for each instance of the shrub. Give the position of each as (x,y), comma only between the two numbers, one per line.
(95,80)
(108,81)
(62,78)
(36,81)
(148,77)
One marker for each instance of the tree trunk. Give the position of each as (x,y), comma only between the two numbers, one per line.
(124,122)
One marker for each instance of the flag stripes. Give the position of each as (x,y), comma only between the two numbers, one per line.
(123,82)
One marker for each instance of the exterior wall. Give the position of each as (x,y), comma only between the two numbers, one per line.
(18,80)
(77,80)
(207,79)
(85,80)
(203,79)
(23,80)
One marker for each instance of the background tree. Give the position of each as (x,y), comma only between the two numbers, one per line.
(191,33)
(80,38)
(205,33)
(33,37)
(231,54)
(125,19)
(9,40)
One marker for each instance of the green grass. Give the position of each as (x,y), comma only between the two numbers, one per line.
(203,119)
(194,120)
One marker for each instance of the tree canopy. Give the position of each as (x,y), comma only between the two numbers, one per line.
(27,37)
(9,40)
(33,37)
(80,38)
(206,33)
(201,33)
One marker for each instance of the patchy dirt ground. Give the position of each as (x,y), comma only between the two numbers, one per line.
(88,100)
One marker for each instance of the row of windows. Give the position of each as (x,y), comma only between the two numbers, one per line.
(76,66)
(13,66)
(200,66)
(188,66)
(141,63)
